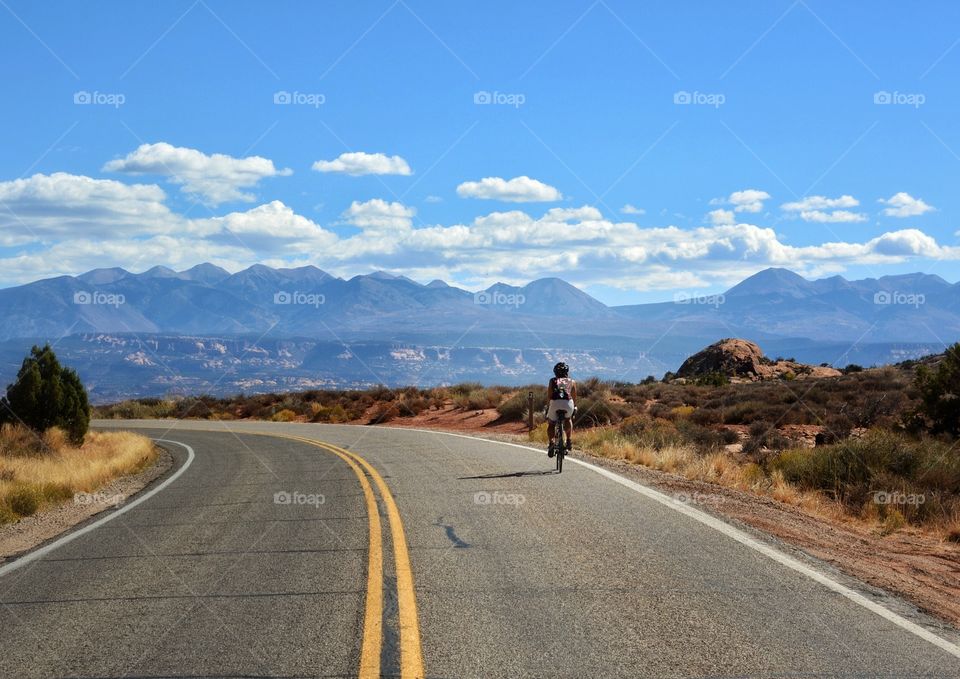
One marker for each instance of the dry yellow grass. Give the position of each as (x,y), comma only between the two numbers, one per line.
(722,469)
(38,471)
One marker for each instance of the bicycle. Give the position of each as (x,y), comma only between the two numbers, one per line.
(558,444)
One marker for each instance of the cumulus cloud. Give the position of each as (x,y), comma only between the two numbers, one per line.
(63,204)
(825,210)
(748,200)
(835,216)
(264,228)
(360,163)
(720,217)
(74,223)
(215,179)
(629,209)
(904,205)
(379,214)
(821,203)
(521,189)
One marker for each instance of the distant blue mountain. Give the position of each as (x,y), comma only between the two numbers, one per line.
(263,328)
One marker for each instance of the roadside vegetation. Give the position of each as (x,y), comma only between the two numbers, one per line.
(875,445)
(47,454)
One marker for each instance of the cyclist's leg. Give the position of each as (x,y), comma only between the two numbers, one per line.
(568,427)
(551,430)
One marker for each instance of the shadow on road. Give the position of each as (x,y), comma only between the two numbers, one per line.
(509,475)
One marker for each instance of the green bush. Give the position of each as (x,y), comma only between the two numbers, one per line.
(714,379)
(25,500)
(514,409)
(881,461)
(46,394)
(940,392)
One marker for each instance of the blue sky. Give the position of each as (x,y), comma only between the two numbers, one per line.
(183,153)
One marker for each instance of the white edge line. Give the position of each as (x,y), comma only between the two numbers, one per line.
(70,537)
(742,538)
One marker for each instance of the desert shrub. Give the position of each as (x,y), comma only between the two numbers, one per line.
(285,415)
(46,394)
(650,433)
(411,406)
(713,379)
(597,409)
(25,499)
(464,388)
(514,409)
(940,393)
(660,410)
(7,515)
(883,465)
(704,439)
(590,386)
(383,412)
(851,368)
(705,416)
(479,399)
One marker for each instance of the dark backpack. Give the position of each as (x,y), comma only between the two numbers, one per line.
(560,388)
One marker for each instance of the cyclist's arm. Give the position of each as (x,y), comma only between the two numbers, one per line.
(573,391)
(549,390)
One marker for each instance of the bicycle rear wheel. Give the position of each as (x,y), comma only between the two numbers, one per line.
(561,444)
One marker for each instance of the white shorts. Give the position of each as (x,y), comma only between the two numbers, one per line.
(558,404)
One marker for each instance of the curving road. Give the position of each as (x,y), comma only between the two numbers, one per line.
(262,558)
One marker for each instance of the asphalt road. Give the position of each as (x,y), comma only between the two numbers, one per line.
(513,572)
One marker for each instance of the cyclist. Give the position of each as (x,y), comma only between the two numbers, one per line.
(561,395)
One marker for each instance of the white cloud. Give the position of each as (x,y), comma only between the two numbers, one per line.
(904,205)
(360,163)
(213,178)
(433,199)
(63,204)
(73,223)
(836,216)
(265,228)
(824,210)
(629,209)
(821,203)
(721,217)
(748,200)
(378,214)
(517,190)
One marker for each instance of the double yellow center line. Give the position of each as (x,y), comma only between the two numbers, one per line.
(411,655)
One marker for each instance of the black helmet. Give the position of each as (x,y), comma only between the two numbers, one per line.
(561,369)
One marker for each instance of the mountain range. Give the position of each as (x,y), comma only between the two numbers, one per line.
(262,328)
